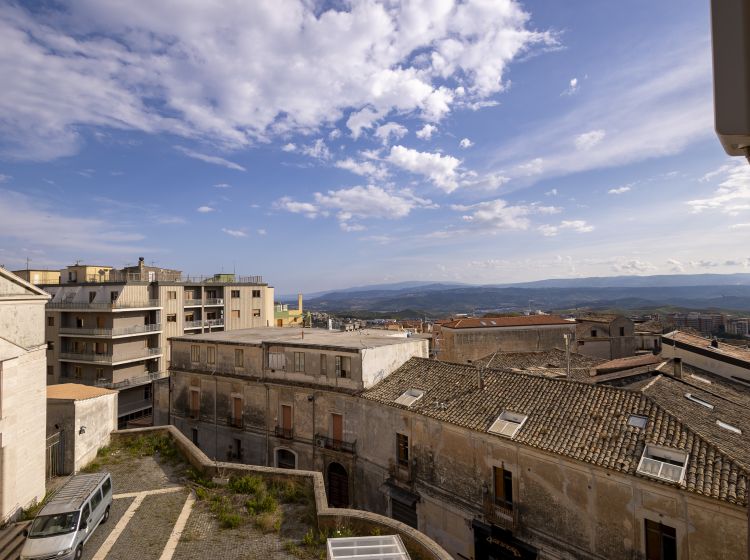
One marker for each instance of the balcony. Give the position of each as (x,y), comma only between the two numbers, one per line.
(336,444)
(111,306)
(193,324)
(119,358)
(111,333)
(193,302)
(133,381)
(214,323)
(283,433)
(501,514)
(213,301)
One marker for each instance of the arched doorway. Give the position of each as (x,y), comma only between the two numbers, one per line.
(338,486)
(285,459)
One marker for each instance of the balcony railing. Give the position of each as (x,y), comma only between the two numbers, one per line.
(284,433)
(215,323)
(136,329)
(214,301)
(336,444)
(133,381)
(118,276)
(193,302)
(103,306)
(193,324)
(94,357)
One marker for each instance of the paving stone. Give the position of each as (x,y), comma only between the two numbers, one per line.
(101,533)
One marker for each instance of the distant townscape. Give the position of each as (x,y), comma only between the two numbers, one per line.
(568,434)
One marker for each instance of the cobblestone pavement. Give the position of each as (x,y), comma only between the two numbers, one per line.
(149,496)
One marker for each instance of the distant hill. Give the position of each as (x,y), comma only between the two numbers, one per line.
(721,292)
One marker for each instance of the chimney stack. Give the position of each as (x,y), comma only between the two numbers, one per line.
(677,368)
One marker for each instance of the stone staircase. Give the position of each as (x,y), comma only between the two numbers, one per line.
(12,538)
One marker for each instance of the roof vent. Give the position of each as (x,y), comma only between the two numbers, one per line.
(508,424)
(409,397)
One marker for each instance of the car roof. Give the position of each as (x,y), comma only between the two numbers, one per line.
(72,495)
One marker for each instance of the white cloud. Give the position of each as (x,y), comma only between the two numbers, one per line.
(351,227)
(183,68)
(465,143)
(489,182)
(740,226)
(170,220)
(733,193)
(234,232)
(619,190)
(676,266)
(578,226)
(572,87)
(533,167)
(317,150)
(552,192)
(205,209)
(499,215)
(704,263)
(335,133)
(390,131)
(4,178)
(289,147)
(588,140)
(364,168)
(286,203)
(633,266)
(440,169)
(209,159)
(222,186)
(262,232)
(426,132)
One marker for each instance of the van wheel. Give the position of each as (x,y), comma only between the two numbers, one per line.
(106,515)
(79,552)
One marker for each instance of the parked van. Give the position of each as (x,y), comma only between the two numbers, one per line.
(67,521)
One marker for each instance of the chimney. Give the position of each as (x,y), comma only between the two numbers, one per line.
(677,367)
(480,379)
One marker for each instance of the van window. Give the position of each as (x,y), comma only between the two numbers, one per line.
(96,499)
(107,486)
(51,525)
(86,514)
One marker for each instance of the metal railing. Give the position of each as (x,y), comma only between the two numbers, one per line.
(284,433)
(214,301)
(133,381)
(193,324)
(192,302)
(336,444)
(103,306)
(136,329)
(102,358)
(117,276)
(214,322)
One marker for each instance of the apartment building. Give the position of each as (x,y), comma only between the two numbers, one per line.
(22,394)
(109,328)
(38,276)
(605,336)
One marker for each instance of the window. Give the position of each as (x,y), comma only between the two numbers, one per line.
(50,345)
(622,331)
(402,450)
(107,486)
(239,357)
(100,322)
(195,437)
(256,312)
(343,366)
(256,293)
(51,321)
(410,397)
(323,364)
(147,392)
(593,333)
(101,347)
(113,296)
(92,296)
(77,372)
(210,354)
(299,362)
(100,374)
(664,463)
(699,401)
(85,514)
(79,322)
(661,541)
(235,293)
(50,370)
(503,487)
(637,421)
(235,313)
(276,359)
(195,353)
(337,427)
(507,424)
(195,404)
(171,294)
(96,499)
(172,318)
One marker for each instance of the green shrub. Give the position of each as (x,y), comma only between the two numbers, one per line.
(247,484)
(261,503)
(199,478)
(291,491)
(229,520)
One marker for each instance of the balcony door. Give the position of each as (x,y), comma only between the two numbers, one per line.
(337,427)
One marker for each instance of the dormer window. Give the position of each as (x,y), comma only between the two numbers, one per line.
(664,463)
(507,424)
(409,397)
(699,401)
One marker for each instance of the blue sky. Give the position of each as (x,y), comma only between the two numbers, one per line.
(325,145)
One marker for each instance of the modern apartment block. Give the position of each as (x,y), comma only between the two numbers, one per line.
(109,328)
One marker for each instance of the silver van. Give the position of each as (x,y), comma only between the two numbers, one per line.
(69,518)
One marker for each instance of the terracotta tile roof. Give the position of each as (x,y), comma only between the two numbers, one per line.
(703,342)
(76,392)
(598,318)
(650,326)
(554,359)
(521,321)
(628,363)
(578,420)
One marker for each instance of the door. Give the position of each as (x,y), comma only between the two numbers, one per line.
(286,420)
(338,486)
(285,459)
(337,428)
(237,418)
(279,322)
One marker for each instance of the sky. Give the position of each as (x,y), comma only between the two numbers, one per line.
(326,145)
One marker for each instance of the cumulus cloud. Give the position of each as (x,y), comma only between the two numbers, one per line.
(440,169)
(215,160)
(497,214)
(633,266)
(262,231)
(317,150)
(364,168)
(532,167)
(465,143)
(676,266)
(183,68)
(426,132)
(289,147)
(234,232)
(289,205)
(222,186)
(390,131)
(572,87)
(733,193)
(588,140)
(577,226)
(205,209)
(619,190)
(552,192)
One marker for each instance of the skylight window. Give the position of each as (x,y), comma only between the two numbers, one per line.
(637,421)
(483,323)
(507,424)
(410,396)
(729,427)
(663,463)
(696,400)
(493,322)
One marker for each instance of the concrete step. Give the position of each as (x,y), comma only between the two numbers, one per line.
(12,539)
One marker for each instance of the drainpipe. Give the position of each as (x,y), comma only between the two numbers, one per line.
(268,440)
